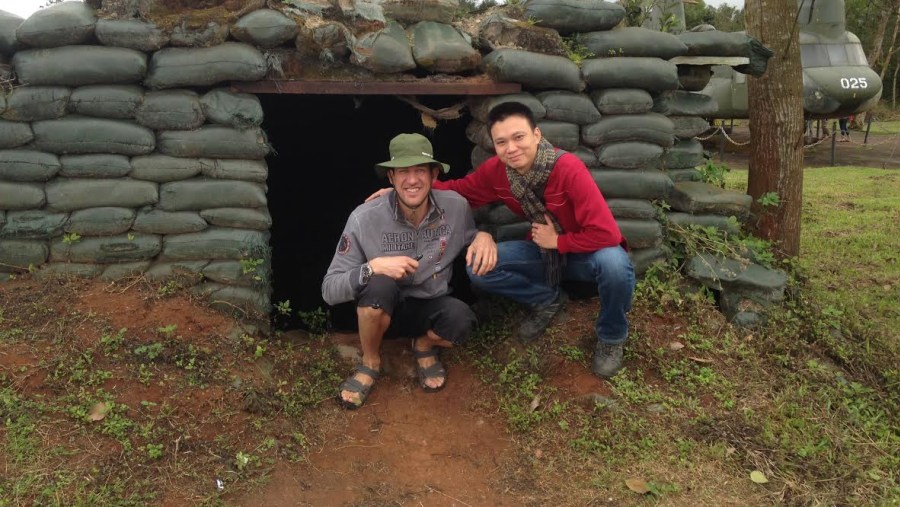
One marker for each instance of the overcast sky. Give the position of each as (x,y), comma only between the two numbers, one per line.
(25,8)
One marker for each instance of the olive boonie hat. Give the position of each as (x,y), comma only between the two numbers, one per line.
(408,150)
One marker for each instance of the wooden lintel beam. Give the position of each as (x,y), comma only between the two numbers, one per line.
(419,87)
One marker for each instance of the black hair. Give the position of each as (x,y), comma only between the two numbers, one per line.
(504,110)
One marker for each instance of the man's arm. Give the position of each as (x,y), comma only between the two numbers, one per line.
(342,280)
(482,252)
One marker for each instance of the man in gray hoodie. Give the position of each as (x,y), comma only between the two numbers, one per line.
(395,259)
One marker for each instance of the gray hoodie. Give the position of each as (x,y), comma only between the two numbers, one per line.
(378,228)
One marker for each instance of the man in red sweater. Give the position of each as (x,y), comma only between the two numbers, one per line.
(573,234)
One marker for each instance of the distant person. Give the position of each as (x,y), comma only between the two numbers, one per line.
(845,129)
(395,259)
(573,234)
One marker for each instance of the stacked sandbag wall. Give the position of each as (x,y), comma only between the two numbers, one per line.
(121,152)
(122,158)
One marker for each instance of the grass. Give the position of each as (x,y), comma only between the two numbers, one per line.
(884,127)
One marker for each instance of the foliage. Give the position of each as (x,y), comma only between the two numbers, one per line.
(714,173)
(725,18)
(576,50)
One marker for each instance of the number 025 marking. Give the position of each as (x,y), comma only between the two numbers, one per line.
(854,83)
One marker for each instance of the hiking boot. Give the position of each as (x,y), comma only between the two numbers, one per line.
(607,359)
(539,318)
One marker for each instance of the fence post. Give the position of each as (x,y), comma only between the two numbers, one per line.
(868,126)
(722,142)
(833,141)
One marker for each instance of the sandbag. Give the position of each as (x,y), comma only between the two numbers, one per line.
(9,22)
(682,103)
(437,47)
(238,110)
(644,258)
(92,135)
(633,41)
(162,168)
(171,110)
(694,78)
(569,107)
(233,273)
(2,99)
(632,208)
(477,133)
(407,11)
(568,16)
(202,193)
(629,155)
(16,196)
(65,194)
(622,101)
(563,135)
(723,223)
(94,166)
(649,185)
(242,218)
(33,103)
(690,174)
(384,52)
(498,214)
(480,107)
(130,33)
(14,134)
(80,65)
(27,165)
(479,156)
(231,61)
(18,255)
(113,101)
(215,243)
(62,24)
(587,156)
(716,43)
(264,28)
(33,224)
(156,221)
(186,271)
(115,272)
(234,169)
(685,154)
(533,70)
(68,270)
(641,233)
(249,302)
(649,127)
(651,74)
(106,221)
(109,249)
(688,127)
(499,31)
(214,141)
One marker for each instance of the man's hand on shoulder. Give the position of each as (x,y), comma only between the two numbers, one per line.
(379,193)
(482,254)
(396,266)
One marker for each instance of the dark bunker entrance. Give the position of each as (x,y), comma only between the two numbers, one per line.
(321,168)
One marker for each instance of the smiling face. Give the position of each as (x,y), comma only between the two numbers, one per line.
(412,184)
(516,142)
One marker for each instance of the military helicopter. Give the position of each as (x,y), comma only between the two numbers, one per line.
(837,79)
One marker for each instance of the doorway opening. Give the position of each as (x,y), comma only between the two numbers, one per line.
(322,167)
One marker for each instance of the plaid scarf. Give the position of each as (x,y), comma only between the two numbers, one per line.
(529,190)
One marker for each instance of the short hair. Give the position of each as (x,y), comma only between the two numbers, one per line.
(504,110)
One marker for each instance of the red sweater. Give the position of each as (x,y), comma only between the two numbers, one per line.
(571,196)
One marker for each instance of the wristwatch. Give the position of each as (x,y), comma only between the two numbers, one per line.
(365,273)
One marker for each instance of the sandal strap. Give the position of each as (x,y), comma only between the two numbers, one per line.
(422,354)
(365,370)
(355,386)
(433,371)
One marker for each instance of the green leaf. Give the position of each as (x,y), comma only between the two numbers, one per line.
(758,477)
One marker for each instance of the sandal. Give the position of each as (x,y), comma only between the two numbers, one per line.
(436,370)
(355,386)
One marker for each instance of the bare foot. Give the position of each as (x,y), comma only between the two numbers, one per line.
(364,379)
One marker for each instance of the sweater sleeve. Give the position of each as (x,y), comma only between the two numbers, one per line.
(476,187)
(341,283)
(598,228)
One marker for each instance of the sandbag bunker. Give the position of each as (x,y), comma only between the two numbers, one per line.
(125,148)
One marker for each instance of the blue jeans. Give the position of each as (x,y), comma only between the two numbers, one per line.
(519,275)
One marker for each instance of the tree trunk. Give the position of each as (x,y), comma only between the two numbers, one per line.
(891,47)
(776,125)
(894,88)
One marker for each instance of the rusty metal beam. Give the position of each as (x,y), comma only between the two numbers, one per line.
(463,86)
